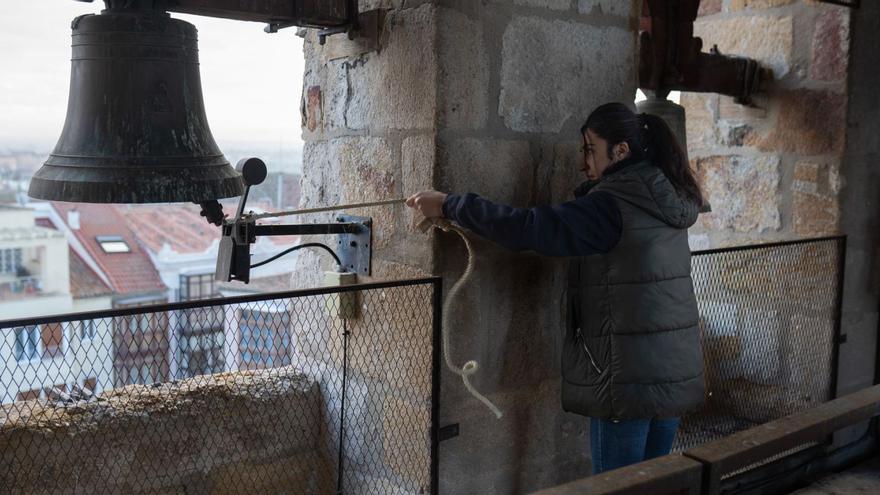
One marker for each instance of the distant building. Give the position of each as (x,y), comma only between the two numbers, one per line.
(100,237)
(91,257)
(183,248)
(39,271)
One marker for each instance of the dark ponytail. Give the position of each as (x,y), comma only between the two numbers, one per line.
(648,136)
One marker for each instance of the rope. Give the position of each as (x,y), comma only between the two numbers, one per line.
(328,208)
(471,366)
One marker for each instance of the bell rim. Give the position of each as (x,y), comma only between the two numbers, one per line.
(136,186)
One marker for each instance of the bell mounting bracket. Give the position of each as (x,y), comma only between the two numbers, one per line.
(330,16)
(353,246)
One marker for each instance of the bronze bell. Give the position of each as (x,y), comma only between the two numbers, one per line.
(136,130)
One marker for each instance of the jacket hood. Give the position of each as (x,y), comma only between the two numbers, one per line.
(646,186)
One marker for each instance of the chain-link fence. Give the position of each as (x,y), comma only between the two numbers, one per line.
(320,391)
(770,323)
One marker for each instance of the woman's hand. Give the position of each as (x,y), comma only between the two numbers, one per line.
(429,203)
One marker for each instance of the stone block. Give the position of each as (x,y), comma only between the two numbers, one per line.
(566,172)
(768,39)
(754,402)
(365,5)
(733,135)
(814,214)
(158,438)
(721,342)
(418,163)
(364,483)
(728,109)
(809,122)
(709,7)
(406,441)
(352,170)
(498,169)
(743,192)
(545,4)
(541,93)
(700,106)
(808,359)
(335,94)
(807,171)
(463,87)
(395,88)
(392,340)
(700,112)
(830,46)
(759,333)
(697,242)
(627,8)
(314,115)
(737,5)
(294,475)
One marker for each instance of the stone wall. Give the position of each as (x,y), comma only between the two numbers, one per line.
(485,97)
(772,171)
(803,161)
(231,433)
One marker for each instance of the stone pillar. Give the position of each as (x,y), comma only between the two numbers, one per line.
(484,97)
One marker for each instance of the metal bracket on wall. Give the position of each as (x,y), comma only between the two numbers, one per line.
(353,248)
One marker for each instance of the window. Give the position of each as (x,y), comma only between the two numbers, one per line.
(264,339)
(146,375)
(88,329)
(10,260)
(26,339)
(53,337)
(113,244)
(199,286)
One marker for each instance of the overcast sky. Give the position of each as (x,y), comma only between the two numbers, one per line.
(252,81)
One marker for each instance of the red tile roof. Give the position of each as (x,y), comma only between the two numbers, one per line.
(129,273)
(181,227)
(178,225)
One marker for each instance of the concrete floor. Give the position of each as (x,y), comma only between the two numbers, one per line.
(862,478)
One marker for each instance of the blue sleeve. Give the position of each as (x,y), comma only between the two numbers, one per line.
(588,225)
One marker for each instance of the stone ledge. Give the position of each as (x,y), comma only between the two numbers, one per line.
(171,436)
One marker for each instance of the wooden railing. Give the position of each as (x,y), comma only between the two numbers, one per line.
(699,471)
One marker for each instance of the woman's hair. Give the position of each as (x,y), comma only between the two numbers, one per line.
(647,136)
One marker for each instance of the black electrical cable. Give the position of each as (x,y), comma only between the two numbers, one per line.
(300,246)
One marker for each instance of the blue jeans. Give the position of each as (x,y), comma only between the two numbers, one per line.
(618,443)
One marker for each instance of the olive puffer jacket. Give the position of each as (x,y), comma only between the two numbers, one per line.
(631,347)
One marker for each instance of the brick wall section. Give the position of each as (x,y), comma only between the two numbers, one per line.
(772,171)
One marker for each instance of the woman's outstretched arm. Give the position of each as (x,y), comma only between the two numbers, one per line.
(588,225)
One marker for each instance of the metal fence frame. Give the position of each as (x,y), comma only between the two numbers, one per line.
(839,337)
(436,284)
(700,469)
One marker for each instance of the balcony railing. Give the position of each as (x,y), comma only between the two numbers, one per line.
(20,288)
(343,399)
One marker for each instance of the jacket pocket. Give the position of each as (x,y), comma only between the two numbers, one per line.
(580,365)
(589,354)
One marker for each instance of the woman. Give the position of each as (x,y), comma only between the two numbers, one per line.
(631,357)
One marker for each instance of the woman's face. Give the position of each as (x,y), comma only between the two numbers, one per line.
(596,158)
